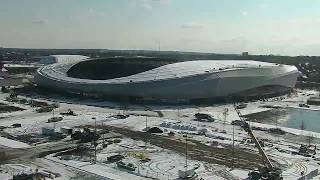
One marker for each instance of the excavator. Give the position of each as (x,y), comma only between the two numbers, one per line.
(269,171)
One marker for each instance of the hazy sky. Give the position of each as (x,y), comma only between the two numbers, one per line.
(288,27)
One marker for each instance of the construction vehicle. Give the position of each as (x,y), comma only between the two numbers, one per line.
(189,173)
(86,136)
(4,89)
(307,150)
(142,156)
(241,106)
(115,158)
(43,109)
(69,113)
(54,119)
(269,172)
(203,117)
(129,166)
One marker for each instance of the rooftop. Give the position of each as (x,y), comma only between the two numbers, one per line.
(169,71)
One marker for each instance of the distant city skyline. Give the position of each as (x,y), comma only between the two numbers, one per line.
(286,27)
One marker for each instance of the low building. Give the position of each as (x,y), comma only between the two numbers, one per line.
(245,54)
(47,131)
(66,130)
(313,101)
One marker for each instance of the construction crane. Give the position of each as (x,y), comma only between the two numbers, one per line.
(269,172)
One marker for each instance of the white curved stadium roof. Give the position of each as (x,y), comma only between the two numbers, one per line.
(175,70)
(184,80)
(52,59)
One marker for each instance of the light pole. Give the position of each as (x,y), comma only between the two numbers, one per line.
(95,141)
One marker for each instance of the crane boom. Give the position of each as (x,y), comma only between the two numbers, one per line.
(248,129)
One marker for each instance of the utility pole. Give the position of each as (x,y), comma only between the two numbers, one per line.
(277,136)
(225,113)
(147,135)
(146,122)
(310,138)
(186,165)
(104,140)
(302,127)
(95,141)
(233,146)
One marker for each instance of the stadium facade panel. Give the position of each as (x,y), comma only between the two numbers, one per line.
(188,80)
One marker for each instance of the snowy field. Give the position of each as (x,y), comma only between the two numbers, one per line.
(5,142)
(179,117)
(159,167)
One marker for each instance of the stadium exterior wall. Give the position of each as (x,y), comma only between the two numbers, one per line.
(198,86)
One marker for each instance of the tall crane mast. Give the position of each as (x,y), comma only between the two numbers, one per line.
(272,172)
(248,129)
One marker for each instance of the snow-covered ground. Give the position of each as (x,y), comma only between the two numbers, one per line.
(5,176)
(159,167)
(58,171)
(219,131)
(4,142)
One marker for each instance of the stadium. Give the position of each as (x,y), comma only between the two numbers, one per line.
(152,78)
